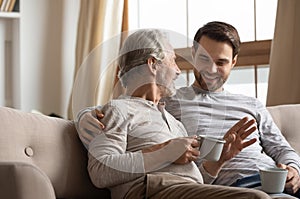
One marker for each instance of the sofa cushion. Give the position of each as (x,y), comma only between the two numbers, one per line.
(22,180)
(52,145)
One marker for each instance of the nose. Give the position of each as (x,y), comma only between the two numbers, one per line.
(177,69)
(213,68)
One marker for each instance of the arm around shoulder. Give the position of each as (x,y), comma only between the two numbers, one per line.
(87,125)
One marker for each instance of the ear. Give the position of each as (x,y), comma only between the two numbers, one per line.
(151,62)
(234,60)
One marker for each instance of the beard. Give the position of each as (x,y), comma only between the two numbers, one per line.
(166,83)
(168,91)
(209,84)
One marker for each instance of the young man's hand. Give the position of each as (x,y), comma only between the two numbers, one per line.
(99,115)
(292,184)
(235,143)
(235,138)
(90,126)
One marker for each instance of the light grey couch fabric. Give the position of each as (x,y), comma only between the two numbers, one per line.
(42,157)
(23,180)
(287,118)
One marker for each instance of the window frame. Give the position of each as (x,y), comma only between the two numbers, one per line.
(251,53)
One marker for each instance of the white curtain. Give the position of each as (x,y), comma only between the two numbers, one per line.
(284,77)
(98,42)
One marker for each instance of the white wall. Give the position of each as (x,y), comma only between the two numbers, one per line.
(48,40)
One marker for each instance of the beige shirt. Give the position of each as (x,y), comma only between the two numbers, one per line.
(115,157)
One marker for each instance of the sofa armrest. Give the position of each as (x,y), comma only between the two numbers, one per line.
(287,119)
(20,180)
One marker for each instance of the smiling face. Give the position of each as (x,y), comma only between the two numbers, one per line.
(213,62)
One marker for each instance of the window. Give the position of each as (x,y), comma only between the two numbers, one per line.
(254,19)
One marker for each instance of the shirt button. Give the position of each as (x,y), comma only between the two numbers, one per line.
(204,94)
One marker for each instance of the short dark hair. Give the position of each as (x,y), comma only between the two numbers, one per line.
(219,31)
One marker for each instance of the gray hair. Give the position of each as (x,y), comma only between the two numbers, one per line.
(138,48)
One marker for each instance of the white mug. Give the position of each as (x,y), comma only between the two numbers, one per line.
(273,179)
(210,147)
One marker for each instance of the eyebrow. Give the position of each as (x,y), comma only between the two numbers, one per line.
(224,60)
(204,56)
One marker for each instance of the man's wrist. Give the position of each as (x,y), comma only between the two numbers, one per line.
(295,166)
(213,168)
(154,147)
(207,177)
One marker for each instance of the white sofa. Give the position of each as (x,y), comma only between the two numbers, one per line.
(42,157)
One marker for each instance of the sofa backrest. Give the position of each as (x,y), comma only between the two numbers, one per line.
(51,144)
(287,118)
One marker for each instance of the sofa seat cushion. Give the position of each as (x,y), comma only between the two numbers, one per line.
(22,180)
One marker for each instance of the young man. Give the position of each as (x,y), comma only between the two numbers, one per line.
(206,108)
(144,152)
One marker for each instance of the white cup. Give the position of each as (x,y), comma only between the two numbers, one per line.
(210,147)
(273,179)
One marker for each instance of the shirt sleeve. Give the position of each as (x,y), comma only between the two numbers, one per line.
(273,142)
(109,163)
